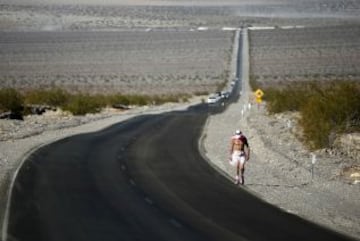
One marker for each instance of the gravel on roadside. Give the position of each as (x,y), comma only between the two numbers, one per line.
(280,168)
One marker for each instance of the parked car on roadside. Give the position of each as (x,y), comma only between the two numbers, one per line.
(213,99)
(225,94)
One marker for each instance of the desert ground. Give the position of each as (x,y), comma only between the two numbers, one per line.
(87,14)
(131,62)
(284,55)
(170,46)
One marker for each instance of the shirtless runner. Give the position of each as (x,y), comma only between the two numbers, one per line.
(239,154)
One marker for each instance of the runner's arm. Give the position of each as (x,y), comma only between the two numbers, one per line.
(231,148)
(246,149)
(247,152)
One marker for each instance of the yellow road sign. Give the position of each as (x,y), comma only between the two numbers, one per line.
(258,100)
(259,93)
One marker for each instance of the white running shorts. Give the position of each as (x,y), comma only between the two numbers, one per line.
(237,156)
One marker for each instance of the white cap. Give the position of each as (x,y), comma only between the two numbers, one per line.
(237,132)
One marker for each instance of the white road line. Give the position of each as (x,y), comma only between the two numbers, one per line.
(132,182)
(175,223)
(149,201)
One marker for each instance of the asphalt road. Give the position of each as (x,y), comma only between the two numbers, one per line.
(143,179)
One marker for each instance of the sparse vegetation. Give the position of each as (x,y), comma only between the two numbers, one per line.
(201,93)
(52,97)
(82,104)
(289,98)
(11,100)
(326,108)
(78,104)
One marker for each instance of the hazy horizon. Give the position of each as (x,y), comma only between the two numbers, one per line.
(147,2)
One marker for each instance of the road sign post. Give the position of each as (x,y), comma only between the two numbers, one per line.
(258,97)
(313,161)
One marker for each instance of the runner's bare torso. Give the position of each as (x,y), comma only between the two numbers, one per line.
(240,145)
(237,144)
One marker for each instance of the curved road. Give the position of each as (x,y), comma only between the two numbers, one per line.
(143,179)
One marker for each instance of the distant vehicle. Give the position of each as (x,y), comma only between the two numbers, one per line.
(225,94)
(212,99)
(202,28)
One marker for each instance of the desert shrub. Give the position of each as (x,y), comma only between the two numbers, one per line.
(100,100)
(331,110)
(157,100)
(139,100)
(79,104)
(34,97)
(54,97)
(199,93)
(145,99)
(82,104)
(290,98)
(316,128)
(118,99)
(57,97)
(11,100)
(326,108)
(220,86)
(170,98)
(184,97)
